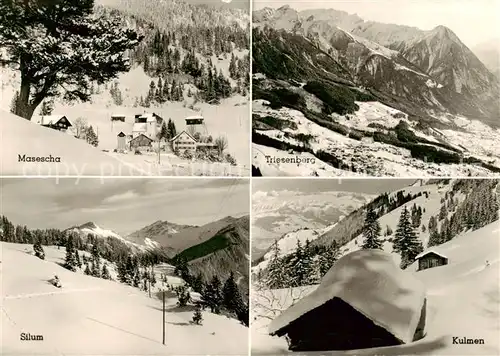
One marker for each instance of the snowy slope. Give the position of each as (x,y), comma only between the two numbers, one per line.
(229,119)
(432,205)
(122,321)
(20,137)
(463,299)
(471,137)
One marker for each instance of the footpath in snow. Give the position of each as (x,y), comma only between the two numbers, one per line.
(92,316)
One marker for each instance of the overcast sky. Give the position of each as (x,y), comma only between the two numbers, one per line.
(121,205)
(474,21)
(369,186)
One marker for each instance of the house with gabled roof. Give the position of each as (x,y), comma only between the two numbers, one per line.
(147,124)
(56,122)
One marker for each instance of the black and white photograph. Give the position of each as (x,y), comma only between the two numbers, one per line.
(125,87)
(375,267)
(124,266)
(376,88)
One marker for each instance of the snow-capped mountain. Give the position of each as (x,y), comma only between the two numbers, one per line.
(432,69)
(90,228)
(283,215)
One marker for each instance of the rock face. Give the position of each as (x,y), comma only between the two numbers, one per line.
(364,301)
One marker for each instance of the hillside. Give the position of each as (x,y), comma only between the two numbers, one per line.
(439,210)
(124,321)
(368,98)
(64,156)
(227,250)
(465,275)
(196,63)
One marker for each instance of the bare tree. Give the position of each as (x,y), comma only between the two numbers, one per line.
(80,126)
(221,143)
(268,304)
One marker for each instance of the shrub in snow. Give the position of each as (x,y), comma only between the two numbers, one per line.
(197,316)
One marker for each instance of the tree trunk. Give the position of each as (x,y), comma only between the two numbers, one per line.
(23,107)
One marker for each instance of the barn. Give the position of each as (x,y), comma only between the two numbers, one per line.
(141,143)
(364,301)
(184,141)
(430,259)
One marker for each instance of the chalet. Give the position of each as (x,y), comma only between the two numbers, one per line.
(56,122)
(141,143)
(122,142)
(430,259)
(194,120)
(365,300)
(147,124)
(184,141)
(117,117)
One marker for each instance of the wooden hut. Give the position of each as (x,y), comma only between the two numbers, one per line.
(121,142)
(141,143)
(430,259)
(364,301)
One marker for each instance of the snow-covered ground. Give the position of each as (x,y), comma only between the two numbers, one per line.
(374,158)
(92,316)
(463,300)
(231,119)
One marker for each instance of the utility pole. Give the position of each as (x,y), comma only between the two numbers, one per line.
(164,317)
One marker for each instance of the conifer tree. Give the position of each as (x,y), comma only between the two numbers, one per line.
(105,273)
(212,295)
(87,270)
(70,260)
(197,316)
(232,299)
(276,269)
(328,258)
(406,241)
(38,249)
(183,295)
(91,137)
(78,260)
(371,231)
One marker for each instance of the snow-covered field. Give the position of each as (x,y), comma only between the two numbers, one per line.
(92,316)
(463,300)
(369,157)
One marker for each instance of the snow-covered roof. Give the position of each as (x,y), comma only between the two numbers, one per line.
(49,119)
(150,117)
(370,282)
(139,127)
(420,255)
(177,136)
(195,117)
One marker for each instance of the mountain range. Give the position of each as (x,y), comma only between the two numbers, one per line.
(401,65)
(211,249)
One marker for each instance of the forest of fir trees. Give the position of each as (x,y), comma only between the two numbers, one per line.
(184,67)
